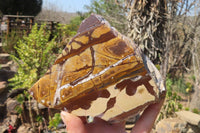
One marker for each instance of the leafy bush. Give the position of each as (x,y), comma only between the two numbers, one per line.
(172,103)
(197,111)
(187,108)
(39,118)
(193,78)
(189,88)
(62,36)
(35,55)
(10,41)
(20,108)
(179,85)
(64,30)
(54,122)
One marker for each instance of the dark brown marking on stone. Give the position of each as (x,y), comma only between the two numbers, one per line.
(90,22)
(118,49)
(86,106)
(149,86)
(104,94)
(122,84)
(83,68)
(131,86)
(87,67)
(111,103)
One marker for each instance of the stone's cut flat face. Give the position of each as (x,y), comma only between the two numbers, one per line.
(100,73)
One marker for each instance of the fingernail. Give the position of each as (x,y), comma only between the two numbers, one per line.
(64,116)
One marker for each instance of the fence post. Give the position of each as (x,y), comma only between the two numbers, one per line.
(8,26)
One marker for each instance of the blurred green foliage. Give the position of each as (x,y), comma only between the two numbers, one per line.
(21,98)
(157,66)
(39,118)
(193,78)
(35,55)
(54,121)
(180,85)
(76,21)
(172,103)
(196,111)
(10,41)
(187,108)
(175,86)
(114,13)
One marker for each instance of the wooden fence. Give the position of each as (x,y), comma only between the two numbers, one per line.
(21,25)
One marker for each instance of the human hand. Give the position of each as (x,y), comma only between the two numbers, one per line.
(143,125)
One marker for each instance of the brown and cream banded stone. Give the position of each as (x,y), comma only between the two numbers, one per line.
(100,73)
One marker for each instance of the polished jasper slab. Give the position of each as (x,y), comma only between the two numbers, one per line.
(100,73)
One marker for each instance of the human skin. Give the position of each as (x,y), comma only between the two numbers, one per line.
(143,125)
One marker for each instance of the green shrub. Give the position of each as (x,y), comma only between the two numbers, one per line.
(35,56)
(172,103)
(179,85)
(187,108)
(62,36)
(197,111)
(53,123)
(39,118)
(10,41)
(193,78)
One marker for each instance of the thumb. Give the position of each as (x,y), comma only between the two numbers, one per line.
(73,123)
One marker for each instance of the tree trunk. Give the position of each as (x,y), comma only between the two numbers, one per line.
(146,22)
(195,102)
